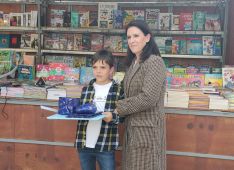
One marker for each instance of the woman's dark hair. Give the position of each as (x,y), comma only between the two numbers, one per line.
(150,47)
(104,55)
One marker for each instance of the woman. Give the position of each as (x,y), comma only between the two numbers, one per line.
(143,106)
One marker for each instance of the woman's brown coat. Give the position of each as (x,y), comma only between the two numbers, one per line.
(144,138)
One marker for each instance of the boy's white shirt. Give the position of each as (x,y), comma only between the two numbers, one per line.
(94,126)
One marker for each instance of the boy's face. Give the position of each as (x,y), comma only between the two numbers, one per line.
(102,72)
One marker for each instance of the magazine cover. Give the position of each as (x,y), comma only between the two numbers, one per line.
(106,14)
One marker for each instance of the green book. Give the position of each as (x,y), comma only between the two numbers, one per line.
(75,19)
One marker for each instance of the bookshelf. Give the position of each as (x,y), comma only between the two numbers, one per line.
(44,27)
(171,6)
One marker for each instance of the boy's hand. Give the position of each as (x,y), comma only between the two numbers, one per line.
(108,116)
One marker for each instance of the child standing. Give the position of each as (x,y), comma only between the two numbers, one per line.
(97,140)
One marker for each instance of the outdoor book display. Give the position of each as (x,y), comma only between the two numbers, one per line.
(55,40)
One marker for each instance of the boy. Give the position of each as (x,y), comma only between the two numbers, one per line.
(97,140)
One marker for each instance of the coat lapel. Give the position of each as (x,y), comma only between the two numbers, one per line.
(132,71)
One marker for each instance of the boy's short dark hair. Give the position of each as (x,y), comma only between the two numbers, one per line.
(103,55)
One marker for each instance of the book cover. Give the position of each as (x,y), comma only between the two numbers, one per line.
(129,15)
(15,40)
(175,22)
(34,41)
(168,46)
(75,19)
(56,71)
(217,49)
(5,61)
(152,18)
(77,41)
(161,43)
(4,40)
(63,41)
(212,22)
(186,21)
(84,19)
(165,21)
(175,46)
(215,80)
(66,19)
(42,71)
(80,61)
(199,20)
(72,74)
(106,14)
(25,41)
(208,45)
(113,43)
(70,42)
(96,42)
(228,77)
(86,74)
(86,42)
(118,19)
(194,46)
(195,80)
(26,72)
(56,17)
(93,19)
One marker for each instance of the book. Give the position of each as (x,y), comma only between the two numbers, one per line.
(165,21)
(215,80)
(186,21)
(16,19)
(96,42)
(113,43)
(175,22)
(212,22)
(42,71)
(77,41)
(129,15)
(217,47)
(26,72)
(86,42)
(75,19)
(15,40)
(208,45)
(93,19)
(25,41)
(199,20)
(56,17)
(152,18)
(4,40)
(194,45)
(84,19)
(86,74)
(66,19)
(118,19)
(228,76)
(106,14)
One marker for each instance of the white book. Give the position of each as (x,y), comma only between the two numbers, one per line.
(106,14)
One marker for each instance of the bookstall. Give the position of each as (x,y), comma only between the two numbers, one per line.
(54,40)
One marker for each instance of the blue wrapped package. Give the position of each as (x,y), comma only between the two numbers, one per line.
(86,109)
(67,106)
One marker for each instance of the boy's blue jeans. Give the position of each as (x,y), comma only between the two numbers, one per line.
(88,158)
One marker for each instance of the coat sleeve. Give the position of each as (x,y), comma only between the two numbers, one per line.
(153,82)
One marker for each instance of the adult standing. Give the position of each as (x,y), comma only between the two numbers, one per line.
(143,107)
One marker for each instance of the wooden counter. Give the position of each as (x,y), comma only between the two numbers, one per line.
(196,140)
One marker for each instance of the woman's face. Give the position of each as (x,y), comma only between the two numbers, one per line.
(136,40)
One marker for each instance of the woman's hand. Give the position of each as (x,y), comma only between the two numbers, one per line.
(108,116)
